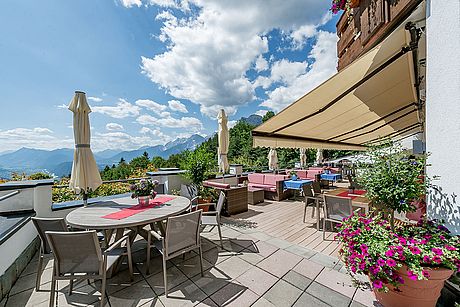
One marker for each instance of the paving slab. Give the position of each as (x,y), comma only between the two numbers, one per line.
(280,243)
(301,251)
(308,268)
(280,262)
(174,277)
(137,295)
(185,294)
(336,281)
(282,294)
(307,300)
(257,280)
(325,260)
(297,280)
(233,267)
(212,281)
(327,295)
(234,294)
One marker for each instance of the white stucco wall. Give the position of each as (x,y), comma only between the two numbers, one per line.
(443,109)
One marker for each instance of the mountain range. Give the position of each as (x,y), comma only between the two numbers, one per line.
(59,161)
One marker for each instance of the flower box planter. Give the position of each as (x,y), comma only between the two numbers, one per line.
(420,293)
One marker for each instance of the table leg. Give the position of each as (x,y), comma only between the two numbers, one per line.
(114,269)
(162,228)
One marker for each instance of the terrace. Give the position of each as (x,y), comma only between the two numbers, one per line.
(269,258)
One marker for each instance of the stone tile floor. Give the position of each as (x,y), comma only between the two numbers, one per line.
(251,269)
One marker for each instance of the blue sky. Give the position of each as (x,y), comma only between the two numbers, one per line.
(154,70)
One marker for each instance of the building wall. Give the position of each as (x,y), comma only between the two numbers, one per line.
(443,109)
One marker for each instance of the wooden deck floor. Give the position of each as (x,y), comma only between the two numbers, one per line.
(284,220)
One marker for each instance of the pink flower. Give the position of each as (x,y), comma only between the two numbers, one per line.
(411,275)
(426,274)
(381,262)
(364,248)
(374,269)
(377,284)
(415,250)
(389,253)
(398,279)
(437,251)
(391,262)
(450,247)
(426,259)
(437,259)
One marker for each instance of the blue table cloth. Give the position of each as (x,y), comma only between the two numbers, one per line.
(331,177)
(296,184)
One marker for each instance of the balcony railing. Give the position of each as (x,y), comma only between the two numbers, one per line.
(367,25)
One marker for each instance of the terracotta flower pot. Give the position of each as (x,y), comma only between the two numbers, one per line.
(420,293)
(354,3)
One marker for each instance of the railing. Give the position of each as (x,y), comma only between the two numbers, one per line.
(4,197)
(367,25)
(106,182)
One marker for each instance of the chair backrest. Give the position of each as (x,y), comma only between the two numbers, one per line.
(76,252)
(337,208)
(182,232)
(220,202)
(48,224)
(188,190)
(308,193)
(316,187)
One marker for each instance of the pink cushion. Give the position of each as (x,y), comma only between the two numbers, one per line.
(264,187)
(256,178)
(216,185)
(302,174)
(272,179)
(313,172)
(315,168)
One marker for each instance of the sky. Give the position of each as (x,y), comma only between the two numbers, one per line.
(154,70)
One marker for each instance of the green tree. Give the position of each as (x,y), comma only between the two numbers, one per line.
(267,116)
(39,176)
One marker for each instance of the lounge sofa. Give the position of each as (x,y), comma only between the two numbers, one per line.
(272,184)
(236,200)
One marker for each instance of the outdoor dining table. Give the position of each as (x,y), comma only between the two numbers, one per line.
(121,214)
(296,184)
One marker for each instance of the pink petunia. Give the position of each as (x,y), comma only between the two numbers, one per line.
(411,275)
(437,251)
(381,262)
(389,253)
(450,247)
(415,250)
(426,259)
(437,259)
(377,284)
(426,274)
(391,262)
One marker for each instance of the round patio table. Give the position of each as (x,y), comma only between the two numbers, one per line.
(92,217)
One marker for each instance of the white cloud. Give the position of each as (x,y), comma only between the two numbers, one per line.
(208,54)
(123,109)
(286,71)
(231,123)
(95,99)
(324,66)
(176,105)
(191,123)
(40,138)
(62,106)
(153,106)
(114,127)
(158,134)
(121,140)
(261,64)
(130,3)
(261,112)
(302,34)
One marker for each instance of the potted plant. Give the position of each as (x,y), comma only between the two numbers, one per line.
(406,265)
(343,5)
(144,190)
(293,174)
(394,179)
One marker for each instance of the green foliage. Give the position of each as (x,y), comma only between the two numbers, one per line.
(198,164)
(394,179)
(267,116)
(39,176)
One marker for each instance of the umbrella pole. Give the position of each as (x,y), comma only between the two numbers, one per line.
(85,199)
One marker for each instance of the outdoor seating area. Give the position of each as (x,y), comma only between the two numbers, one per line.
(266,259)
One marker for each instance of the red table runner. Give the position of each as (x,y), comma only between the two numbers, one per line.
(353,195)
(127,212)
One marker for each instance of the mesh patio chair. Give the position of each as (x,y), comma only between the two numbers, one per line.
(317,188)
(212,218)
(335,210)
(42,225)
(182,235)
(78,255)
(310,199)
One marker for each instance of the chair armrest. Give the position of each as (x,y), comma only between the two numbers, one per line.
(206,205)
(118,243)
(209,213)
(156,235)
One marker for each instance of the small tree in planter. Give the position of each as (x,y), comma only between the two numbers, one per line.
(394,179)
(198,164)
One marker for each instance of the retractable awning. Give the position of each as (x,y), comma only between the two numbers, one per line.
(373,97)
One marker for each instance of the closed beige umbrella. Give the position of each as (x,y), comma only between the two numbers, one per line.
(85,173)
(303,157)
(272,159)
(224,139)
(319,156)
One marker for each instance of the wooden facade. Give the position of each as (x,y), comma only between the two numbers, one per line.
(367,25)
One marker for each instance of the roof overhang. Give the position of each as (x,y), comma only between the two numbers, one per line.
(372,98)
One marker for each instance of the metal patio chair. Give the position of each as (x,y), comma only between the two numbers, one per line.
(335,210)
(78,255)
(212,218)
(310,199)
(43,225)
(182,235)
